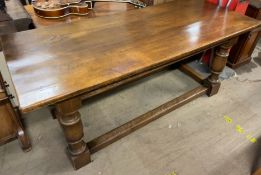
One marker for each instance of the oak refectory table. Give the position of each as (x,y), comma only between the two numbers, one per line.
(62,65)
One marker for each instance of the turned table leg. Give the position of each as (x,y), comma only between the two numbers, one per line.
(218,64)
(70,121)
(24,140)
(22,136)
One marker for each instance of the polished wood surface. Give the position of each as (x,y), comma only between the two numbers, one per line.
(61,62)
(100,9)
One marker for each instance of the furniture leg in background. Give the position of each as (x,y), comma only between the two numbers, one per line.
(243,49)
(11,126)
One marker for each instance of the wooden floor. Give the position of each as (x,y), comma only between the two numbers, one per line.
(194,139)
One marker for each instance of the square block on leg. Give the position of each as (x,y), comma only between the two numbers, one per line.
(78,161)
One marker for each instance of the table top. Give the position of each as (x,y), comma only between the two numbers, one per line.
(55,63)
(100,9)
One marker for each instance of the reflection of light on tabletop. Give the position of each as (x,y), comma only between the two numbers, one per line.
(194,32)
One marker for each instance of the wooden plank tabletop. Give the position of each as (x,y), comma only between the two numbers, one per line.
(65,60)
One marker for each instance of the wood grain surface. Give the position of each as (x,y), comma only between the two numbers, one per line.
(63,61)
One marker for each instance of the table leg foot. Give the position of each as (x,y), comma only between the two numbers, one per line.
(70,121)
(212,87)
(80,160)
(24,141)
